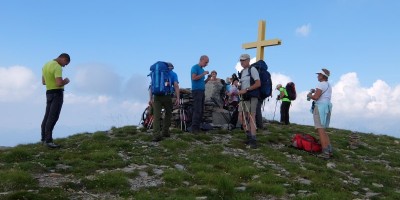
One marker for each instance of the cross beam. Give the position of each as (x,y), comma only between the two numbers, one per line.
(261,42)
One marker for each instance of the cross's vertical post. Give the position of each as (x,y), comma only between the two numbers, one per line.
(261,42)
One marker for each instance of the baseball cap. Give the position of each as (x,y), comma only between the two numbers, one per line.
(244,57)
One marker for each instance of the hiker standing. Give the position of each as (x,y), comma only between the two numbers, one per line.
(165,100)
(233,101)
(322,111)
(197,74)
(248,99)
(52,78)
(285,106)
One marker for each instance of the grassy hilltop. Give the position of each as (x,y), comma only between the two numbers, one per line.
(123,163)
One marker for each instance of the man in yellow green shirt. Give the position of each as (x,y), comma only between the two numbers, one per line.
(52,78)
(285,106)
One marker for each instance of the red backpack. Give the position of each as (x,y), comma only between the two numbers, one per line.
(306,142)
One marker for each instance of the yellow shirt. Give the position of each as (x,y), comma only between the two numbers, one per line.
(50,71)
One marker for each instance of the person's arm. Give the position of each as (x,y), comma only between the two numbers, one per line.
(61,82)
(150,96)
(282,94)
(196,77)
(43,81)
(176,87)
(317,94)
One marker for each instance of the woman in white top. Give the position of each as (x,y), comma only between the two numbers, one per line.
(322,111)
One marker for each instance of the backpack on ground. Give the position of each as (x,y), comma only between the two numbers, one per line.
(291,91)
(265,90)
(147,118)
(306,142)
(160,79)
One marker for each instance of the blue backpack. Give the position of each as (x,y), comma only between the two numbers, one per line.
(265,90)
(160,79)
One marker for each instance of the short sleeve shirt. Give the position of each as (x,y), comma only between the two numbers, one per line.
(174,78)
(245,77)
(326,92)
(50,71)
(197,84)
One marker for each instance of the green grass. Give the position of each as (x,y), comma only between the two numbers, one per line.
(210,168)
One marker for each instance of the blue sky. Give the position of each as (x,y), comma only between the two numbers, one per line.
(113,43)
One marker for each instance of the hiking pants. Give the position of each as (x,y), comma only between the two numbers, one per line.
(54,102)
(162,101)
(198,109)
(259,118)
(285,112)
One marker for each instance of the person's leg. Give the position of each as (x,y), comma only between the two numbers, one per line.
(203,99)
(243,119)
(259,118)
(323,136)
(253,128)
(285,112)
(49,99)
(167,103)
(288,113)
(282,112)
(197,110)
(157,118)
(57,100)
(235,114)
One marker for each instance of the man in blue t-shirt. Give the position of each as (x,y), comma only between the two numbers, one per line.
(198,86)
(160,101)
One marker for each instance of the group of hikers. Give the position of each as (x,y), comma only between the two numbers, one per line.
(246,93)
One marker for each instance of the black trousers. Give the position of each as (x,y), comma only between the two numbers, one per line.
(198,109)
(285,112)
(54,102)
(235,114)
(259,118)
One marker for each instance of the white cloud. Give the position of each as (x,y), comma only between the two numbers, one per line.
(17,83)
(70,98)
(304,30)
(96,79)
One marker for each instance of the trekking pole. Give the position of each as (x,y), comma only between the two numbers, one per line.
(151,122)
(241,101)
(184,116)
(249,113)
(275,109)
(180,112)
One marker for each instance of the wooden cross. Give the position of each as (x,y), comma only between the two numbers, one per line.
(261,42)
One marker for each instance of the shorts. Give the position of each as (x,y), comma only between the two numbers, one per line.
(317,119)
(246,106)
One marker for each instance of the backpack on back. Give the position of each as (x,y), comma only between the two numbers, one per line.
(265,78)
(306,142)
(291,91)
(160,79)
(265,90)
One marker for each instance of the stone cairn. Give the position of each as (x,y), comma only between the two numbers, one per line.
(354,140)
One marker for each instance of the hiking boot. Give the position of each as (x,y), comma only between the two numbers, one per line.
(248,138)
(324,155)
(166,135)
(253,144)
(52,145)
(195,131)
(156,139)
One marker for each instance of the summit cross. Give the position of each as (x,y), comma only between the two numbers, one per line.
(261,42)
